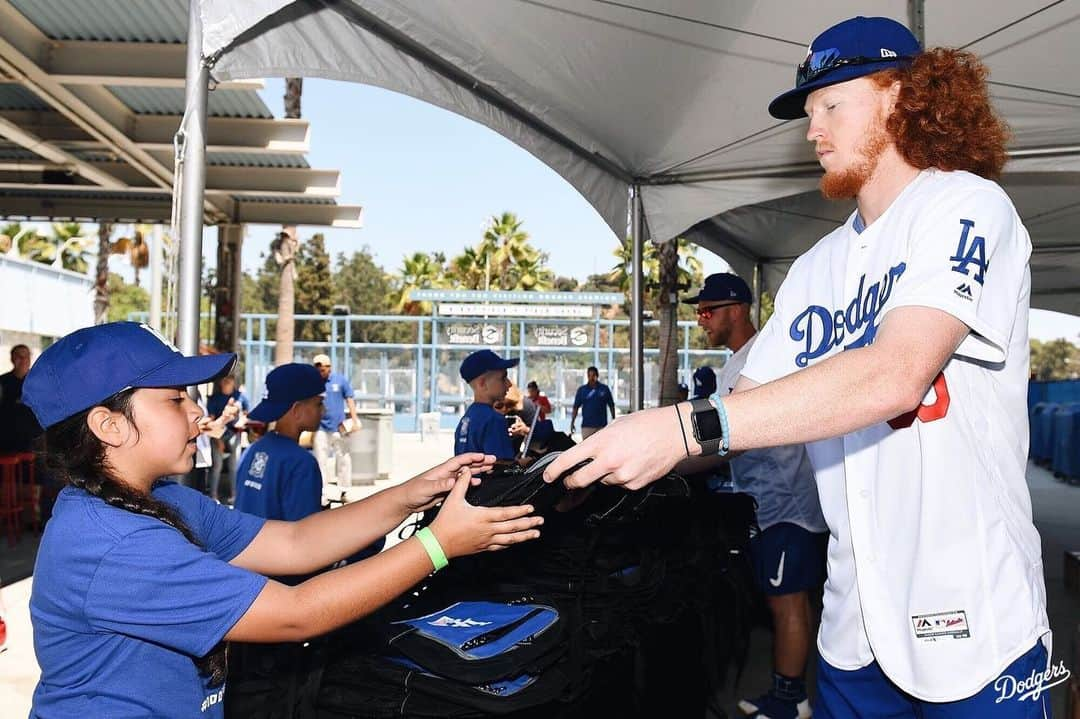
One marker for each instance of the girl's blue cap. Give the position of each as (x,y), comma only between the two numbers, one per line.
(92,364)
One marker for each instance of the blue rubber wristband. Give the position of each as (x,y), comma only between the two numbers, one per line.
(725,441)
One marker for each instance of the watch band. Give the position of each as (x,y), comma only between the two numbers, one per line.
(710,445)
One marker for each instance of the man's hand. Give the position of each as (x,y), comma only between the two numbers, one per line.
(425,490)
(631,452)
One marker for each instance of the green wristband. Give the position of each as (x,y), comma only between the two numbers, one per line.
(433,548)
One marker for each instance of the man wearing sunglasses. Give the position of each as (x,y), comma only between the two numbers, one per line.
(788,553)
(898,353)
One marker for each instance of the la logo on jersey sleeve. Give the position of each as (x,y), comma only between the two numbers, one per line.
(970,257)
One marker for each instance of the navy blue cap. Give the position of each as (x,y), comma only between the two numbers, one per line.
(850,49)
(704,382)
(286,385)
(90,365)
(720,287)
(483,361)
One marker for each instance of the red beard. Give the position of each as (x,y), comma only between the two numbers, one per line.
(845,184)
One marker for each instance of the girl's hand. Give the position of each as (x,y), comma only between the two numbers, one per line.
(464,529)
(425,490)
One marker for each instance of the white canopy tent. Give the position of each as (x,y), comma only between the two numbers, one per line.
(665,100)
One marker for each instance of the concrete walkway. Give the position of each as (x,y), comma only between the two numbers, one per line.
(1056,509)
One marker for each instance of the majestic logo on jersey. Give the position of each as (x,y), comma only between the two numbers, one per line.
(822,329)
(963,291)
(931,627)
(970,251)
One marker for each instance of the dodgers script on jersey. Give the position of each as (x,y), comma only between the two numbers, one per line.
(935,567)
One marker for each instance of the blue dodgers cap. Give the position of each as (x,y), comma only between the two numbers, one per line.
(704,382)
(483,361)
(92,364)
(850,49)
(286,385)
(720,287)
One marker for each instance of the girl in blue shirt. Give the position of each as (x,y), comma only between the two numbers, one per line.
(140,582)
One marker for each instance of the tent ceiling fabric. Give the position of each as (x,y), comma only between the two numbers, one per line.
(671,94)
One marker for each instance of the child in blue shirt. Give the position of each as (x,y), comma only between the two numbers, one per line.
(482,428)
(139,582)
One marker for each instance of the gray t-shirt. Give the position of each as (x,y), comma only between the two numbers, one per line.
(780,479)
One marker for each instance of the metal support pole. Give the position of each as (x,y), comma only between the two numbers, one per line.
(157,258)
(917,20)
(193,186)
(238,284)
(637,304)
(759,279)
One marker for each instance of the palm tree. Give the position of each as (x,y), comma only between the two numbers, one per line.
(505,243)
(529,273)
(285,248)
(470,269)
(101,279)
(67,247)
(419,271)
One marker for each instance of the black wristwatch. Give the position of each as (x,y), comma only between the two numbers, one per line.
(708,431)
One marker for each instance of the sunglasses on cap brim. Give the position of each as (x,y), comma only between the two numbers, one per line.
(825,61)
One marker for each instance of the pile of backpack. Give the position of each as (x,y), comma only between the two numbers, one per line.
(635,603)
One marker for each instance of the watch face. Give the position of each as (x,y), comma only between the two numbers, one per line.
(708,425)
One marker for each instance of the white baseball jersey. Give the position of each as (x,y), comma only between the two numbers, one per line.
(935,567)
(780,479)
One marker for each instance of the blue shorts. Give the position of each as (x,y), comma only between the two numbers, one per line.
(788,559)
(868,694)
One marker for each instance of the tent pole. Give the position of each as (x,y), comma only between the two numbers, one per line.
(758,279)
(193,186)
(917,20)
(637,308)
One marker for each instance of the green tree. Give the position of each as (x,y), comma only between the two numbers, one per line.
(1056,359)
(267,285)
(419,271)
(314,288)
(125,299)
(67,246)
(365,288)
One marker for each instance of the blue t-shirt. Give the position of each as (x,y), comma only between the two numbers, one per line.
(594,402)
(121,602)
(337,390)
(278,479)
(482,429)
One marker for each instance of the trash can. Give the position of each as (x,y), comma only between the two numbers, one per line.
(1064,457)
(1042,434)
(371,446)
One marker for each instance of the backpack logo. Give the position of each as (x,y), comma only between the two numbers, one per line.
(445,621)
(885,52)
(970,251)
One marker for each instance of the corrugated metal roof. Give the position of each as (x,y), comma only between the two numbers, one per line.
(287,200)
(255,159)
(17,97)
(10,153)
(170,101)
(96,156)
(111,20)
(90,193)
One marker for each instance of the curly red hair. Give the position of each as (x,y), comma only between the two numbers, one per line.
(943,116)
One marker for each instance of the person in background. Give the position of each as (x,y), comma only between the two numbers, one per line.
(330,443)
(540,400)
(17,424)
(483,428)
(704,382)
(594,400)
(227,446)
